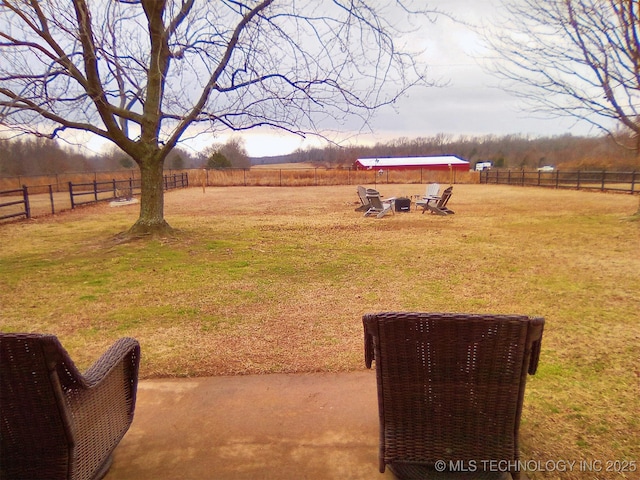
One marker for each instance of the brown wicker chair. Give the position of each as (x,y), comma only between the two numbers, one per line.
(55,422)
(450,391)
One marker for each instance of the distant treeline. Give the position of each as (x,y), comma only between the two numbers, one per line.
(39,156)
(509,151)
(27,156)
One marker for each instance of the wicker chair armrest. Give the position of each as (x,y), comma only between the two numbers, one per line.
(369,349)
(101,411)
(124,349)
(535,357)
(369,355)
(538,327)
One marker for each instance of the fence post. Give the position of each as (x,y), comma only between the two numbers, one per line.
(53,212)
(73,205)
(115,195)
(578,181)
(539,174)
(95,189)
(557,179)
(25,195)
(604,174)
(633,181)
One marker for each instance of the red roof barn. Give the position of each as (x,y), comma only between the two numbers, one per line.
(443,162)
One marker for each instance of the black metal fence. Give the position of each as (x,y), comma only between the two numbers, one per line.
(97,191)
(114,189)
(626,182)
(19,202)
(22,204)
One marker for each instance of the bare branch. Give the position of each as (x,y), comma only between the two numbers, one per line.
(215,76)
(577,58)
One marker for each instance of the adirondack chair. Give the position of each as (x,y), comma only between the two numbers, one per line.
(450,390)
(362,195)
(378,207)
(430,194)
(439,206)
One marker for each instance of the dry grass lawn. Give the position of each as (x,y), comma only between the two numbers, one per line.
(268,279)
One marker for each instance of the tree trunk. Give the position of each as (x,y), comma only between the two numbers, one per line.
(151,221)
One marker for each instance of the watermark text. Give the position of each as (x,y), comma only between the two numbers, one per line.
(583,465)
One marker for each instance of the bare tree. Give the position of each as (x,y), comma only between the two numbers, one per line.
(234,149)
(146,74)
(577,58)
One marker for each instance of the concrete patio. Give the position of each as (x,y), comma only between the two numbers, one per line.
(302,426)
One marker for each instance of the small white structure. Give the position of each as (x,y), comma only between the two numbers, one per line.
(481,166)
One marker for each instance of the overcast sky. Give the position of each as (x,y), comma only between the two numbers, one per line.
(471,104)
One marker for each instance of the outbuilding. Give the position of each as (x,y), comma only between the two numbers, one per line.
(442,162)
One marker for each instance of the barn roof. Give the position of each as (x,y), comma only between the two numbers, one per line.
(432,161)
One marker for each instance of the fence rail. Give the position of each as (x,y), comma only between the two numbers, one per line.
(98,191)
(23,209)
(22,201)
(626,182)
(113,189)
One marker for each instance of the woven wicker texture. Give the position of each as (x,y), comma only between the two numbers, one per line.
(450,386)
(55,422)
